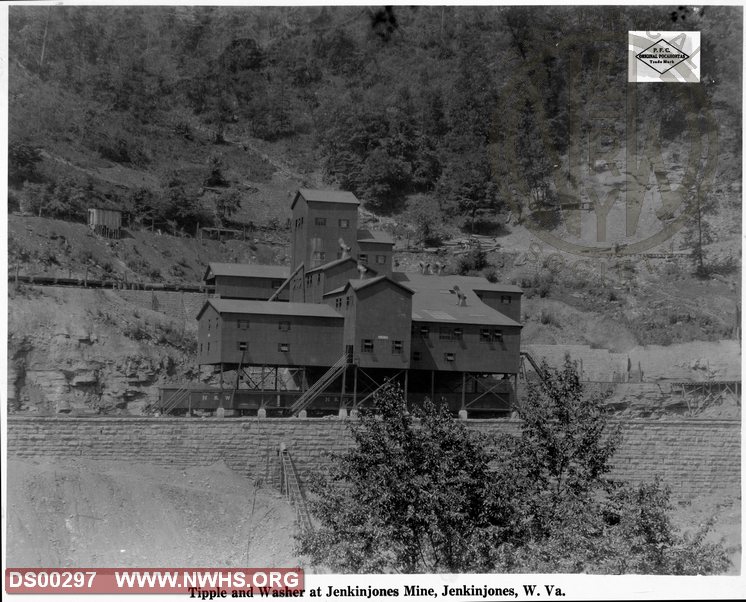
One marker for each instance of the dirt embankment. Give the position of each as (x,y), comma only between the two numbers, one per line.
(103,513)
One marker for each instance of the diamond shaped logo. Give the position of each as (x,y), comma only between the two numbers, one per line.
(662,56)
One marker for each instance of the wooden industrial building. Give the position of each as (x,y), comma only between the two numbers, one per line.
(349,325)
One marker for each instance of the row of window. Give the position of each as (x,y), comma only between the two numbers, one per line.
(321,221)
(363,258)
(340,302)
(320,257)
(449,333)
(283,325)
(397,347)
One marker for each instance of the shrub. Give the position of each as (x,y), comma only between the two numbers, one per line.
(419,492)
(474,261)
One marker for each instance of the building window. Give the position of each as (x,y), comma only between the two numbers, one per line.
(490,336)
(367,345)
(283,347)
(446,334)
(200,347)
(416,356)
(424,331)
(284,326)
(344,223)
(242,345)
(348,301)
(506,299)
(450,357)
(380,259)
(320,221)
(209,324)
(458,334)
(319,255)
(243,324)
(397,347)
(208,347)
(363,258)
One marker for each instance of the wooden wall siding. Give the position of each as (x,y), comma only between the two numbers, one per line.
(209,337)
(494,299)
(470,353)
(312,238)
(312,341)
(243,287)
(105,217)
(382,313)
(371,249)
(298,224)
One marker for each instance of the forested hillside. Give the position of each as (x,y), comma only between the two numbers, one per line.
(185,115)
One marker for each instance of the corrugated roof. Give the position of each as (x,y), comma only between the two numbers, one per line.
(273,308)
(442,306)
(376,236)
(326,196)
(434,282)
(247,270)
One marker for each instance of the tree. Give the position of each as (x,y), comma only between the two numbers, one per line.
(698,233)
(421,492)
(413,495)
(22,161)
(227,204)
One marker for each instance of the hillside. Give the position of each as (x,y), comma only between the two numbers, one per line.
(185,118)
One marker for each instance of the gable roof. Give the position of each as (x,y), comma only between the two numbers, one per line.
(358,284)
(247,270)
(273,308)
(374,236)
(325,196)
(336,262)
(433,282)
(435,299)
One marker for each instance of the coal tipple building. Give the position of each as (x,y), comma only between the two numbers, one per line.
(323,335)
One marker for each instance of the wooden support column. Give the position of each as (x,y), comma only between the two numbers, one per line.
(221,376)
(463,390)
(432,386)
(406,385)
(354,387)
(344,386)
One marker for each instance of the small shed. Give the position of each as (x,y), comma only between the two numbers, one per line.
(105,222)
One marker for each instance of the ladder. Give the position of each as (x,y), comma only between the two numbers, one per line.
(320,385)
(290,486)
(532,361)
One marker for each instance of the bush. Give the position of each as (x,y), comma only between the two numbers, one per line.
(474,261)
(419,492)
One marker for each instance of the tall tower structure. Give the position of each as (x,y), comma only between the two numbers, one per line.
(323,222)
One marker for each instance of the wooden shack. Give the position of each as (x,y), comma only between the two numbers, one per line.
(105,222)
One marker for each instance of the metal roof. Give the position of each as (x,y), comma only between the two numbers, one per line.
(325,196)
(442,306)
(375,236)
(336,262)
(273,308)
(358,284)
(432,282)
(435,299)
(247,270)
